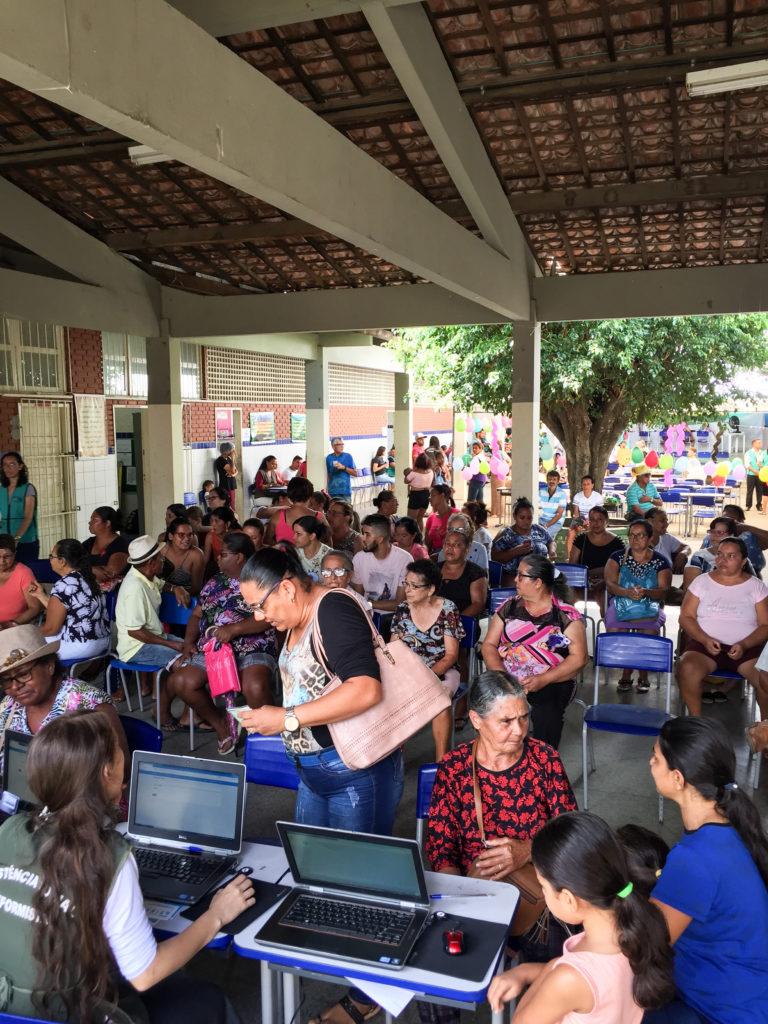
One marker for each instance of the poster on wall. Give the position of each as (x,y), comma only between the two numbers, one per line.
(298,426)
(262,426)
(91,426)
(225,427)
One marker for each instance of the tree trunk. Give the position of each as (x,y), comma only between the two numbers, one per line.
(587,441)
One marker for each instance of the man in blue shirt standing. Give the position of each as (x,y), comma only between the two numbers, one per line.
(553,501)
(340,467)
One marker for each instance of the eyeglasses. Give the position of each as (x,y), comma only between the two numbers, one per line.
(52,555)
(525,576)
(338,573)
(637,536)
(258,609)
(415,586)
(719,533)
(19,679)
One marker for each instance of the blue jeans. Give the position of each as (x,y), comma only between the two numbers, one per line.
(334,796)
(475,490)
(152,655)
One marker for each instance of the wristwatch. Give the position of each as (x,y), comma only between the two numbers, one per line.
(291,723)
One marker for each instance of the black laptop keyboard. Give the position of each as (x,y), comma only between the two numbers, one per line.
(190,869)
(338,918)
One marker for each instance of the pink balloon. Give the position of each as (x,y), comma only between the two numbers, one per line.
(738,473)
(467,473)
(668,478)
(709,468)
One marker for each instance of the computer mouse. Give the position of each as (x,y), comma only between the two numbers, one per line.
(453,942)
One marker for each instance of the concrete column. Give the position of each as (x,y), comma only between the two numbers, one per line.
(318,419)
(403,436)
(161,435)
(525,410)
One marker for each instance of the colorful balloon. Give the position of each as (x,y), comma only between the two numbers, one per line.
(738,472)
(637,455)
(467,473)
(478,424)
(483,467)
(763,474)
(458,463)
(475,464)
(709,468)
(652,460)
(548,464)
(722,469)
(736,462)
(681,465)
(623,457)
(666,461)
(460,424)
(545,450)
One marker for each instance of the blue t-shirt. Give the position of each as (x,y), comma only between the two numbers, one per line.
(508,539)
(549,504)
(339,481)
(721,959)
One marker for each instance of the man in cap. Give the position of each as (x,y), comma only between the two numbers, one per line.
(417,448)
(140,637)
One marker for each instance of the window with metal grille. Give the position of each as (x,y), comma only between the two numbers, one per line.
(191,370)
(124,359)
(235,376)
(352,385)
(31,356)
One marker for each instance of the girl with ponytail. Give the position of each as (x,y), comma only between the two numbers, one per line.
(620,964)
(713,889)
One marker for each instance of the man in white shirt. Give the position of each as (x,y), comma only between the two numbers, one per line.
(379,569)
(581,504)
(672,548)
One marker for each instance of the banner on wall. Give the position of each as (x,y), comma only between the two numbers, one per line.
(262,426)
(298,426)
(90,411)
(225,426)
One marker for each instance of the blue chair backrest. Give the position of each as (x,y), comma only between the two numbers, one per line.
(470,631)
(424,789)
(42,571)
(495,573)
(672,496)
(497,597)
(267,763)
(576,575)
(111,603)
(12,1018)
(634,650)
(174,614)
(376,616)
(705,500)
(141,735)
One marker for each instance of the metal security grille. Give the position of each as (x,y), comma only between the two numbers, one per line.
(47,446)
(351,385)
(31,356)
(235,376)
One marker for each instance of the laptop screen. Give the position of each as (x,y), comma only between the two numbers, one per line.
(370,865)
(188,800)
(15,747)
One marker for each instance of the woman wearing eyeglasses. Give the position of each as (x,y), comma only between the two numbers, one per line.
(538,637)
(183,562)
(431,626)
(336,570)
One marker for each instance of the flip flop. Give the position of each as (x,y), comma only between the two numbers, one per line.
(225,746)
(173,726)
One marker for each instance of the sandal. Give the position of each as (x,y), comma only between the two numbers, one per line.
(642,686)
(624,685)
(173,726)
(350,1011)
(460,722)
(118,696)
(225,746)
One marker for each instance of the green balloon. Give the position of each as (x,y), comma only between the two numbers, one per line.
(460,424)
(637,455)
(666,462)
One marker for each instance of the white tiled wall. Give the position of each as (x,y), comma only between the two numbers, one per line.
(95,484)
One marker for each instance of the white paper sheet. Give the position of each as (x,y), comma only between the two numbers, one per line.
(393,1000)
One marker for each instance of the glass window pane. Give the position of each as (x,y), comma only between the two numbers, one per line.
(190,370)
(139,382)
(114,363)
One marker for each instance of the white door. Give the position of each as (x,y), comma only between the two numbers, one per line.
(48,450)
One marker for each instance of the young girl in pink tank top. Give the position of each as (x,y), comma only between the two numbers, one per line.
(621,964)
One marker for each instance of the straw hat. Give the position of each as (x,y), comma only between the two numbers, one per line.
(142,549)
(21,644)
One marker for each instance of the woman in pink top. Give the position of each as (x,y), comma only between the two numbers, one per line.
(443,506)
(419,480)
(725,618)
(17,605)
(408,537)
(621,964)
(281,519)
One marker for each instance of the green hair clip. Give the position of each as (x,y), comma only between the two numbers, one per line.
(625,891)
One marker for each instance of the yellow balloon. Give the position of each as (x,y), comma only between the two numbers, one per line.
(484,467)
(763,474)
(623,456)
(722,469)
(549,463)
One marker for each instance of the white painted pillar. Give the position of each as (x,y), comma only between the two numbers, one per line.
(403,436)
(526,410)
(318,419)
(161,431)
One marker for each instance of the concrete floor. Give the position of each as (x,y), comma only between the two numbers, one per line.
(620,790)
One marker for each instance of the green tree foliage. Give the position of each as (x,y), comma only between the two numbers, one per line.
(596,376)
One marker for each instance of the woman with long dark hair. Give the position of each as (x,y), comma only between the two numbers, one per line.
(76,611)
(106,549)
(713,889)
(67,857)
(18,506)
(620,963)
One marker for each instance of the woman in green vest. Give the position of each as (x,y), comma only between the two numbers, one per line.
(18,507)
(70,903)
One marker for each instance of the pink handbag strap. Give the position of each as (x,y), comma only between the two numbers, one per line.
(378,639)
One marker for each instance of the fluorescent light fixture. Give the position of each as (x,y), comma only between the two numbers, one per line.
(141,155)
(736,76)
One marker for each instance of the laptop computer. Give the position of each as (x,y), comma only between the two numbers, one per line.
(356,897)
(185,822)
(16,794)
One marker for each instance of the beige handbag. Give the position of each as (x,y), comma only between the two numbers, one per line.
(411,696)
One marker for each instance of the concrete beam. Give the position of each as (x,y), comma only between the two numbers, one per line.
(31,224)
(50,300)
(417,305)
(230,17)
(135,241)
(673,190)
(696,291)
(299,346)
(411,47)
(169,85)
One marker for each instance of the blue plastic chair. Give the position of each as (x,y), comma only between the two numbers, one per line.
(497,597)
(12,1018)
(424,798)
(495,573)
(577,577)
(267,764)
(141,735)
(634,651)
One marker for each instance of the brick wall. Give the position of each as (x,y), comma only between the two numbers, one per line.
(357,419)
(9,407)
(110,403)
(84,362)
(430,420)
(199,422)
